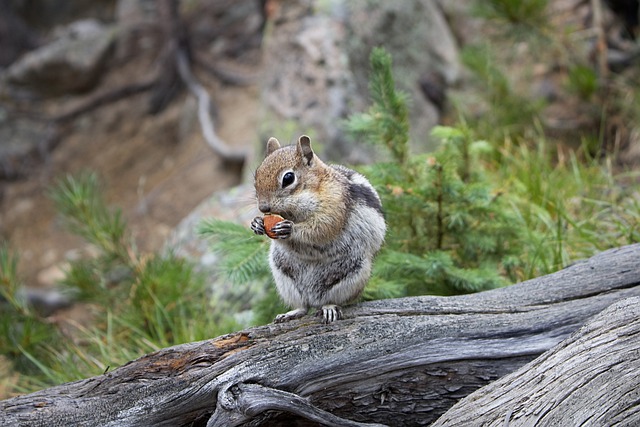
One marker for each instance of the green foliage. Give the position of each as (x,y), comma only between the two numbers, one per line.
(594,111)
(387,121)
(79,201)
(23,330)
(153,294)
(243,254)
(570,201)
(508,113)
(141,302)
(583,81)
(527,14)
(449,230)
(8,277)
(243,262)
(571,209)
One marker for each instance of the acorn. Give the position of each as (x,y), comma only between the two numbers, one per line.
(270,221)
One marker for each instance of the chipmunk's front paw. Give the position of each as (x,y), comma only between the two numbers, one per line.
(283,229)
(257,225)
(330,313)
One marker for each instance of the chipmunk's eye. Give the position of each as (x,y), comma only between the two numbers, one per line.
(288,179)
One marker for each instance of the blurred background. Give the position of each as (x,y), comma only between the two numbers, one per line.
(169,104)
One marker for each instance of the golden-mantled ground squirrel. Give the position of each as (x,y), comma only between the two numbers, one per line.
(333,226)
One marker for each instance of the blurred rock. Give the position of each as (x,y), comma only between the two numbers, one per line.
(51,276)
(317,66)
(236,204)
(422,46)
(630,155)
(73,62)
(24,140)
(45,301)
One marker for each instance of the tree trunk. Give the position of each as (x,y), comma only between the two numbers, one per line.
(394,362)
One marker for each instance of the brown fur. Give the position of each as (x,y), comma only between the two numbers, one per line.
(333,226)
(317,180)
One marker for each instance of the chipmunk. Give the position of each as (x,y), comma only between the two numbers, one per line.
(333,226)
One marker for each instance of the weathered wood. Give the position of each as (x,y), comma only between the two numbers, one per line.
(395,362)
(250,400)
(592,378)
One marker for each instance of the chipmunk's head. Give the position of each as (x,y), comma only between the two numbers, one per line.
(287,181)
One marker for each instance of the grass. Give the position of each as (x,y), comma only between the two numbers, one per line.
(138,302)
(571,208)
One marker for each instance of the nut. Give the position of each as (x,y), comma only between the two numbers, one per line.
(270,221)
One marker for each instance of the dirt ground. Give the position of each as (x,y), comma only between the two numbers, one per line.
(155,168)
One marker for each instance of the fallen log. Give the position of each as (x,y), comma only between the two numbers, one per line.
(589,379)
(393,362)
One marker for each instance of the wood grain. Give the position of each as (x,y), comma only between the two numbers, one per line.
(401,362)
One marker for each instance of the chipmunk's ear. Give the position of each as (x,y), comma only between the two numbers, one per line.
(304,149)
(272,145)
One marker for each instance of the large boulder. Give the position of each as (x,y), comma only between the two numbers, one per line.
(317,66)
(72,63)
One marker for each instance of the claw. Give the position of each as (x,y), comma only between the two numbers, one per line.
(330,313)
(257,225)
(283,229)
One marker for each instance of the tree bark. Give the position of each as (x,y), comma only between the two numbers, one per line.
(393,362)
(592,378)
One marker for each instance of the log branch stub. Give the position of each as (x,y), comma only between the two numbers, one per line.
(243,401)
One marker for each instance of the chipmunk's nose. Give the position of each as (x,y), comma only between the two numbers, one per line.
(264,207)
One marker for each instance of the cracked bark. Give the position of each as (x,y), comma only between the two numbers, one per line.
(394,362)
(589,379)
